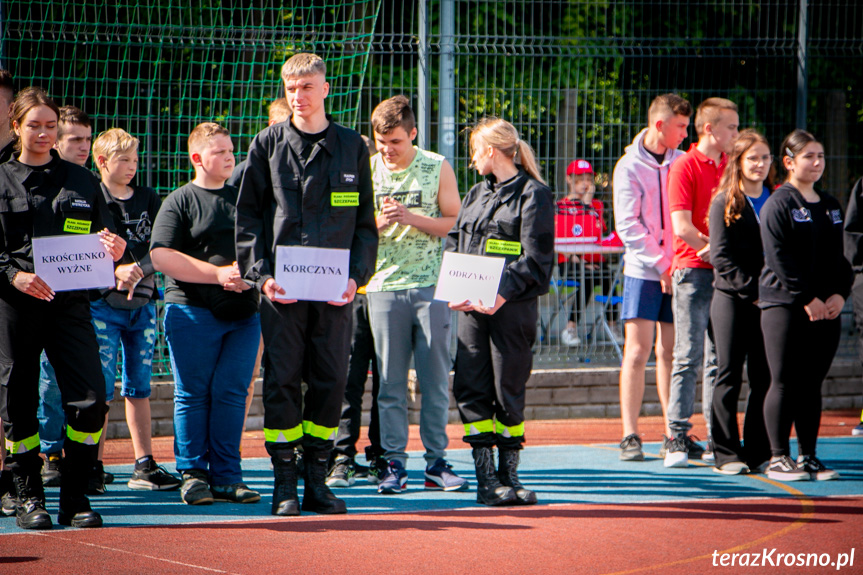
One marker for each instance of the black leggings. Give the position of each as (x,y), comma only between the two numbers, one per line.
(737,333)
(799,353)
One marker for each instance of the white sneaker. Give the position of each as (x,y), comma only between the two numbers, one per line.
(570,337)
(732,468)
(857,431)
(676,455)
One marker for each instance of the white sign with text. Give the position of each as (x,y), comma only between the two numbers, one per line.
(73,262)
(312,274)
(470,278)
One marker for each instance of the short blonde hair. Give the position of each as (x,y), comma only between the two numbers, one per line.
(667,105)
(203,133)
(114,141)
(710,112)
(303,64)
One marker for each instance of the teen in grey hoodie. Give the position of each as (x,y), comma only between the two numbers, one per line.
(643,222)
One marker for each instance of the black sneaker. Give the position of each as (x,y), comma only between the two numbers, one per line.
(235,493)
(817,471)
(8,504)
(694,450)
(195,489)
(153,478)
(360,471)
(51,470)
(783,468)
(96,483)
(377,470)
(342,473)
(663,449)
(630,448)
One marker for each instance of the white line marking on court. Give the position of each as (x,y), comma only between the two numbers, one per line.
(164,560)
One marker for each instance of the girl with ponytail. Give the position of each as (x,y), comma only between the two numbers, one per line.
(511,215)
(803,288)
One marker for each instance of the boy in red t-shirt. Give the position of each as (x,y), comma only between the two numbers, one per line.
(579,201)
(691,183)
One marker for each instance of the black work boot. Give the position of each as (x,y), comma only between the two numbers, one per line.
(317,496)
(30,511)
(286,502)
(489,489)
(75,508)
(508,474)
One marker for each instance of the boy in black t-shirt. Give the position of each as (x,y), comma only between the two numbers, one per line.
(211,322)
(128,312)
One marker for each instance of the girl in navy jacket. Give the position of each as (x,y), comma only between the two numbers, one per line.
(803,288)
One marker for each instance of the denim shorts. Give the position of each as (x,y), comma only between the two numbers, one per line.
(643,299)
(135,331)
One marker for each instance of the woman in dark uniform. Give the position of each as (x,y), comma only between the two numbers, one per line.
(42,195)
(509,214)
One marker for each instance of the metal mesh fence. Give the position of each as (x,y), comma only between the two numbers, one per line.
(574,76)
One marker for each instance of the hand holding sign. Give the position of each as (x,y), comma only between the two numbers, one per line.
(32,285)
(114,244)
(273,290)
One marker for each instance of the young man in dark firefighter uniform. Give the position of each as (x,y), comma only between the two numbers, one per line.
(308,183)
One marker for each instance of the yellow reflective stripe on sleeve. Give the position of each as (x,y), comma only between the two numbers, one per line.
(83,436)
(514,431)
(502,247)
(283,435)
(319,431)
(477,427)
(23,446)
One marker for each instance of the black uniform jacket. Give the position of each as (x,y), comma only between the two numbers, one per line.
(64,191)
(519,210)
(735,251)
(803,257)
(325,202)
(854,228)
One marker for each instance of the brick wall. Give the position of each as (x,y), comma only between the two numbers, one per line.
(551,394)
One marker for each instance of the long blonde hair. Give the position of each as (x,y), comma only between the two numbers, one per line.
(501,135)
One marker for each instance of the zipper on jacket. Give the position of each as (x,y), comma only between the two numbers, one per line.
(661,210)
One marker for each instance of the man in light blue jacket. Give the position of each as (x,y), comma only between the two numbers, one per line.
(643,222)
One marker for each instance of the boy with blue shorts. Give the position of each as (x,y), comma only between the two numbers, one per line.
(127,313)
(643,222)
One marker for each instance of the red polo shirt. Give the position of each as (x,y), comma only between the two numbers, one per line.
(692,179)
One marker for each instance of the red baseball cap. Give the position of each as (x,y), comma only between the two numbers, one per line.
(579,167)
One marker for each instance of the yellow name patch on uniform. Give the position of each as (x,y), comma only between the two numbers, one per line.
(76,226)
(345,199)
(502,247)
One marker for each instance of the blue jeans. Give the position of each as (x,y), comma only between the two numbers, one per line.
(52,418)
(693,343)
(137,330)
(212,360)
